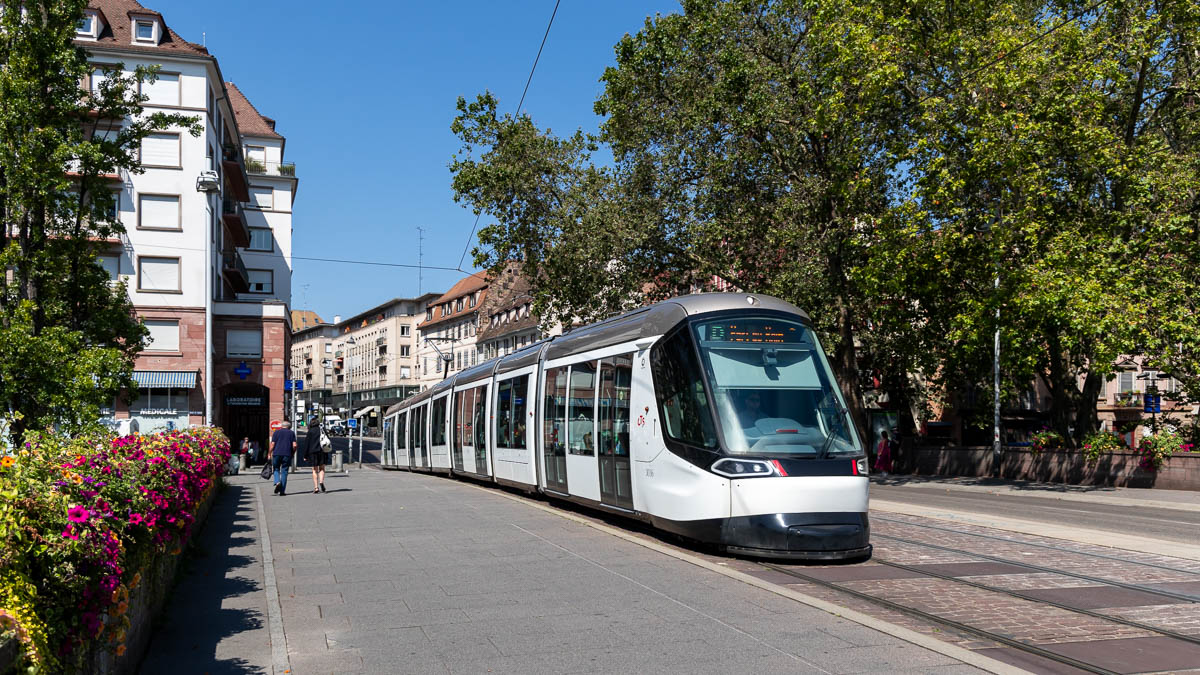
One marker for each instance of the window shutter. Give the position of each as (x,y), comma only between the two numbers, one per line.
(1125,381)
(160,150)
(158,274)
(163,91)
(262,197)
(164,336)
(243,343)
(159,211)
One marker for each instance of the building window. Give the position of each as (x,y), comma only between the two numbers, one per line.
(405,372)
(143,31)
(164,335)
(159,212)
(162,91)
(261,281)
(429,315)
(404,350)
(261,239)
(158,274)
(262,197)
(243,344)
(1125,381)
(404,331)
(87,26)
(161,150)
(111,263)
(256,153)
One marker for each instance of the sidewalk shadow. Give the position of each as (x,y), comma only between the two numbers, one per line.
(216,596)
(986,482)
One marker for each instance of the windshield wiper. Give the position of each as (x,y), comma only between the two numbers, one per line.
(829,438)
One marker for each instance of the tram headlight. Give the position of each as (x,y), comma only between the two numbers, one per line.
(860,466)
(742,468)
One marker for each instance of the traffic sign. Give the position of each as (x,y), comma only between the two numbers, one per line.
(352,423)
(293,385)
(276,424)
(299,385)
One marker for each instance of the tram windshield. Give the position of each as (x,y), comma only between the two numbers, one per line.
(773,389)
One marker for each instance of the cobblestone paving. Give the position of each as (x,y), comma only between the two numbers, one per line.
(1024,582)
(1183,619)
(1011,617)
(1014,541)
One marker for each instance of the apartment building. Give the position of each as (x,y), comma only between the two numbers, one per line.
(508,322)
(195,254)
(372,358)
(448,334)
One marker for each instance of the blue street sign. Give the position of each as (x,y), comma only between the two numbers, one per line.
(1152,403)
(299,385)
(242,370)
(352,423)
(287,385)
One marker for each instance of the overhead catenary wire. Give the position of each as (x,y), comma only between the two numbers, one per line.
(519,104)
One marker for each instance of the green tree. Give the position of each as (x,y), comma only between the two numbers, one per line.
(67,336)
(1056,149)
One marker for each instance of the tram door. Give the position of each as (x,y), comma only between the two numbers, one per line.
(554,433)
(616,377)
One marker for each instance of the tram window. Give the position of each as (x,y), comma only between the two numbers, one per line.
(520,389)
(555,409)
(467,415)
(437,433)
(504,414)
(458,421)
(616,376)
(682,402)
(581,408)
(402,430)
(480,422)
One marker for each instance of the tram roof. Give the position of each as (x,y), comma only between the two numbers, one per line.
(643,322)
(656,319)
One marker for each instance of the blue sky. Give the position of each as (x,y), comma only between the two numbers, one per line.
(365,92)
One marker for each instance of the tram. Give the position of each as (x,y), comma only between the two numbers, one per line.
(713,416)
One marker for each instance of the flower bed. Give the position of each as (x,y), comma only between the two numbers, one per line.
(81,520)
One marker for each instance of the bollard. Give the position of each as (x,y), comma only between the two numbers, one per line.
(338,461)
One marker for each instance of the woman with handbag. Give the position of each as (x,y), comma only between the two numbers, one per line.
(316,452)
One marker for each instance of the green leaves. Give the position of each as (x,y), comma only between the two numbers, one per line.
(67,335)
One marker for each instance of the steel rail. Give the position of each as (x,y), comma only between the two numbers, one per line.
(1030,543)
(949,623)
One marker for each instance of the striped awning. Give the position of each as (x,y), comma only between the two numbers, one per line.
(165,379)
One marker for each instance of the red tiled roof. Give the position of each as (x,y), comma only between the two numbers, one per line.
(465,286)
(118,26)
(250,122)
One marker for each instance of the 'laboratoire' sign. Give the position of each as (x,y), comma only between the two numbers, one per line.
(243,401)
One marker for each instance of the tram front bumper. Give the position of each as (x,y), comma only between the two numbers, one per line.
(818,536)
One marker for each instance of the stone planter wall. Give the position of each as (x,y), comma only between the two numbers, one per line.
(145,605)
(1181,472)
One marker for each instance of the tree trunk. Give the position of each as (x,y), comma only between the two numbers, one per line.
(845,363)
(1086,418)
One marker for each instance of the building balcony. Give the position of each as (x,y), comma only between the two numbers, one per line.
(235,220)
(263,168)
(381,361)
(380,341)
(234,269)
(235,172)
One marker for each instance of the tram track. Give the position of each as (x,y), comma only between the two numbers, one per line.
(1060,549)
(983,631)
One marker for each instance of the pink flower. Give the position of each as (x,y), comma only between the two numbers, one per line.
(77,514)
(135,519)
(69,533)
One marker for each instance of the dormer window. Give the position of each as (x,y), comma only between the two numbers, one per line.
(143,31)
(89,26)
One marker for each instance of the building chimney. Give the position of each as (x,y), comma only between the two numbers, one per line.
(337,318)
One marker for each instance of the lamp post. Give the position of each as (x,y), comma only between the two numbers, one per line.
(350,342)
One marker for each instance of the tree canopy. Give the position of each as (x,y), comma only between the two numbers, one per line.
(67,335)
(880,165)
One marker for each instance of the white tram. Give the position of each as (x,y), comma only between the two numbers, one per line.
(712,416)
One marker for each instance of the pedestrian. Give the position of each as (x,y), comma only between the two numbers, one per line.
(245,450)
(315,455)
(283,444)
(883,454)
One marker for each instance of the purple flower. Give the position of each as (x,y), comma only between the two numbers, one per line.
(77,514)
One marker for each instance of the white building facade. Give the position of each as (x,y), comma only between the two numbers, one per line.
(218,347)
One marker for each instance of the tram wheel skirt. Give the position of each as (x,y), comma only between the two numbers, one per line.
(801,536)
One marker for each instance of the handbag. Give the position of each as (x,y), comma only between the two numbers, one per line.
(326,444)
(267,472)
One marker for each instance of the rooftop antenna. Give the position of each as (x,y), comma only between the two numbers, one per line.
(204,39)
(420,258)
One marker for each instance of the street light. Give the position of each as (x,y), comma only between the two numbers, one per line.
(350,341)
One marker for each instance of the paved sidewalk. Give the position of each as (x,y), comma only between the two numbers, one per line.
(392,572)
(1183,500)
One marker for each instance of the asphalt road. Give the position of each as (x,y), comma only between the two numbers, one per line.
(1143,521)
(371,448)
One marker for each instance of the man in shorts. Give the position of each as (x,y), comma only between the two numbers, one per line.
(283,444)
(316,457)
